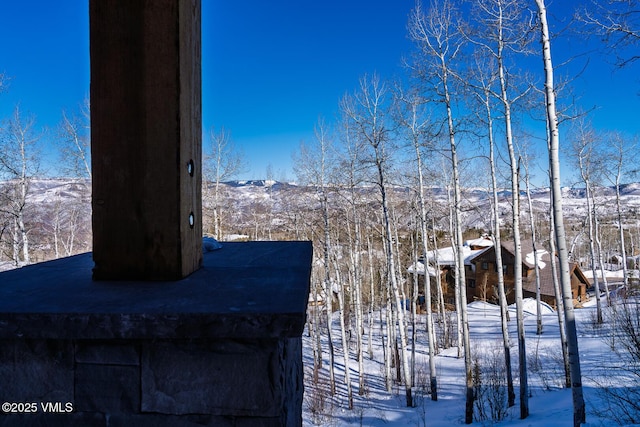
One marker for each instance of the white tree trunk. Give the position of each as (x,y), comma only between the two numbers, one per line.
(366,110)
(596,225)
(559,304)
(497,244)
(395,288)
(579,413)
(15,244)
(357,292)
(536,261)
(371,297)
(584,172)
(457,291)
(433,380)
(444,323)
(620,156)
(328,291)
(623,251)
(57,220)
(461,283)
(343,334)
(515,209)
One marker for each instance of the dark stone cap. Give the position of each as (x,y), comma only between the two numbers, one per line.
(244,290)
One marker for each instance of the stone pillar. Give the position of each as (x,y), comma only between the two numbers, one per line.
(221,347)
(146,137)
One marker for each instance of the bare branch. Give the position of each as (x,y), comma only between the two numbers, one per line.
(617,23)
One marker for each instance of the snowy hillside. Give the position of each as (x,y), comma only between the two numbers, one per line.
(261,209)
(550,404)
(476,201)
(58,215)
(243,196)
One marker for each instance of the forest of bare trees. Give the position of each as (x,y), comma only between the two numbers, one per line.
(479,106)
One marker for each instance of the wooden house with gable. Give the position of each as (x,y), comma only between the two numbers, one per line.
(481,274)
(440,265)
(483,284)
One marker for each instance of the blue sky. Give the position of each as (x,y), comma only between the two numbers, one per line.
(270,68)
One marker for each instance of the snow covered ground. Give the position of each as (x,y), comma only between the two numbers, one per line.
(550,404)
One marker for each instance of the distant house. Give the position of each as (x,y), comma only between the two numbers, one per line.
(484,282)
(440,265)
(482,277)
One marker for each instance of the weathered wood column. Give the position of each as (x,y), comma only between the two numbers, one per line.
(146,138)
(220,347)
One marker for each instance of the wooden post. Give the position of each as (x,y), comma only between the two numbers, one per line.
(146,136)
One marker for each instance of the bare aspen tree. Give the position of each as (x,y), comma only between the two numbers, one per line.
(57,221)
(328,292)
(435,34)
(74,139)
(354,290)
(534,243)
(557,291)
(366,110)
(356,274)
(584,154)
(68,222)
(617,22)
(223,160)
(314,326)
(385,328)
(596,224)
(444,322)
(386,317)
(484,95)
(351,177)
(400,271)
(579,412)
(417,129)
(621,149)
(458,290)
(505,30)
(19,164)
(414,301)
(340,285)
(371,296)
(454,248)
(312,167)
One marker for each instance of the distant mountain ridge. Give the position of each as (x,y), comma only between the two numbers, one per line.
(42,188)
(269,209)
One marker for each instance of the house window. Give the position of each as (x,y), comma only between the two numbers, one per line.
(485,265)
(472,283)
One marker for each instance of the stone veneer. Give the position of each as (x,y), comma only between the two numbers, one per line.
(221,347)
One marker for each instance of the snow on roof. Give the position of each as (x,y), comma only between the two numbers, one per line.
(419,269)
(444,256)
(530,259)
(447,256)
(484,241)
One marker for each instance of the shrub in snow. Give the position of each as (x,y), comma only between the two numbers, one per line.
(490,384)
(622,403)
